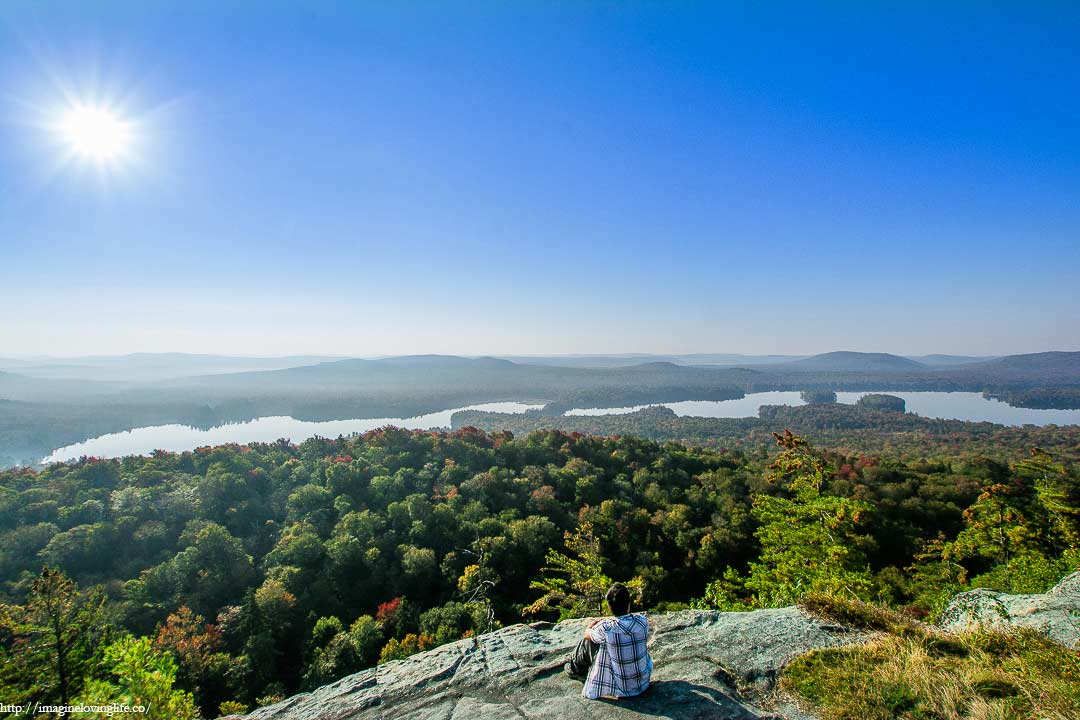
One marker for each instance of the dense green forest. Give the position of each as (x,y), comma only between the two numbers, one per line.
(241,574)
(1042,398)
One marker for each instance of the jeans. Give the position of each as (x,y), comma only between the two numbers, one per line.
(583,656)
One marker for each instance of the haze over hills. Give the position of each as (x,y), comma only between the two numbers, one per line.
(847,361)
(452,377)
(19,386)
(1055,362)
(938,360)
(133,375)
(148,367)
(721,359)
(50,412)
(153,367)
(617,360)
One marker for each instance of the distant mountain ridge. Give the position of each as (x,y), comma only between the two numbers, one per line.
(430,374)
(1053,361)
(150,367)
(857,362)
(938,360)
(628,359)
(1045,369)
(63,410)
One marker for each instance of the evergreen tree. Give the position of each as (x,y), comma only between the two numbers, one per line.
(1021,533)
(999,524)
(1058,492)
(143,677)
(55,642)
(574,585)
(810,542)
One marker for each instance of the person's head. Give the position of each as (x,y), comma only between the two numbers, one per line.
(618,599)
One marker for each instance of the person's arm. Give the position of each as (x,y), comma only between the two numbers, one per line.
(595,631)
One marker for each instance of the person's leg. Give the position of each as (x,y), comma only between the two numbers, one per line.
(582,658)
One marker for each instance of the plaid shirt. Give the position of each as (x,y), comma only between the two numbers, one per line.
(622,667)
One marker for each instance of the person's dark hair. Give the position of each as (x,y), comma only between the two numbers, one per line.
(618,599)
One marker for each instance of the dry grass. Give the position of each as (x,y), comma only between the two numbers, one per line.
(859,614)
(917,672)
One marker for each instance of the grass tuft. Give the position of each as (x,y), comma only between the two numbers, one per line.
(914,671)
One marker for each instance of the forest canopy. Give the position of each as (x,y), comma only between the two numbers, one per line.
(249,572)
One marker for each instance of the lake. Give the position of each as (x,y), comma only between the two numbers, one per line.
(946,405)
(177,438)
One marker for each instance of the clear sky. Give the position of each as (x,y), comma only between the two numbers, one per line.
(549,177)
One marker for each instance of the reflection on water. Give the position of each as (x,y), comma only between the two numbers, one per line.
(743,407)
(177,438)
(946,405)
(973,406)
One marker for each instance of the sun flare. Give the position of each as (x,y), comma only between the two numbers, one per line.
(95,133)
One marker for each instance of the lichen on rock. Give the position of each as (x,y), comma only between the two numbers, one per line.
(1055,613)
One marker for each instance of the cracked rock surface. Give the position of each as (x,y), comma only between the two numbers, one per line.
(720,666)
(1055,613)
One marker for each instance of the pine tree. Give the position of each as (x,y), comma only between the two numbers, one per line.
(1059,494)
(57,640)
(1021,534)
(143,677)
(810,542)
(575,585)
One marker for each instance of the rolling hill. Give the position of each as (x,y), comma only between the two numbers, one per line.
(938,360)
(150,367)
(1056,362)
(854,362)
(63,410)
(626,360)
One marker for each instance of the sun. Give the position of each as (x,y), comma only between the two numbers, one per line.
(95,133)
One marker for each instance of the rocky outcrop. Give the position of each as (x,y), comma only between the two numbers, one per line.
(1055,613)
(706,665)
(721,666)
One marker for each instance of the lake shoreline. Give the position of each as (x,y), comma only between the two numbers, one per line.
(958,406)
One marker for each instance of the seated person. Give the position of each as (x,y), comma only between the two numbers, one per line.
(613,652)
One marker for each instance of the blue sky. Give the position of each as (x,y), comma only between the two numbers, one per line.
(556,177)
